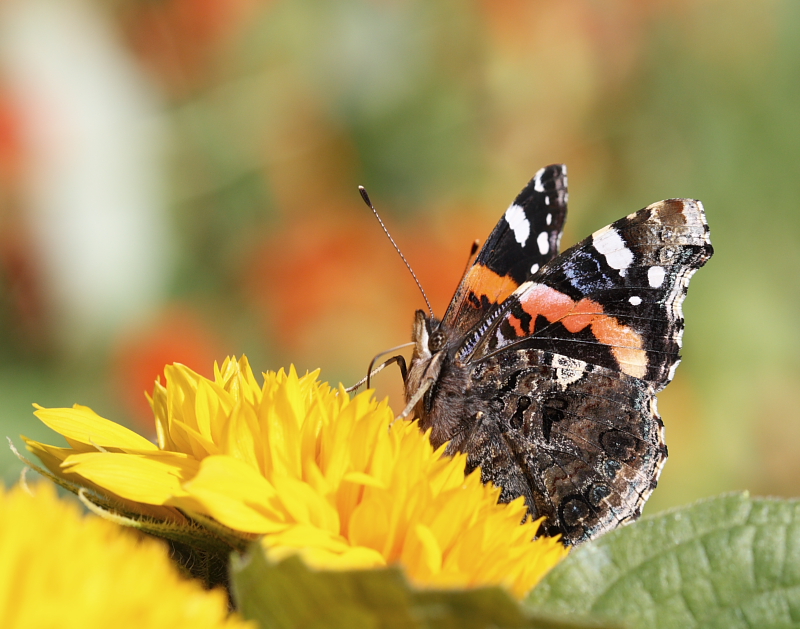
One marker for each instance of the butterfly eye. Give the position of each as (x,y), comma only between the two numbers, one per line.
(436,341)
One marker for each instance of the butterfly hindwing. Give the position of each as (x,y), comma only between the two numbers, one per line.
(583,444)
(525,239)
(614,299)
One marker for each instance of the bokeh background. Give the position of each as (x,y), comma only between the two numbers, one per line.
(178,183)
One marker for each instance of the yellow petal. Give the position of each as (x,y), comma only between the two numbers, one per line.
(51,456)
(307,535)
(360,478)
(305,505)
(200,446)
(152,480)
(422,550)
(320,550)
(369,523)
(84,425)
(243,438)
(237,495)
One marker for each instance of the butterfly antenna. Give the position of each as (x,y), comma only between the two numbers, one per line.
(365,196)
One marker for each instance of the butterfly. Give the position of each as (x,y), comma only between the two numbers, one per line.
(545,367)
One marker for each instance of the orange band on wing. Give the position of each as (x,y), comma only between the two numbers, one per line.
(548,302)
(516,324)
(582,314)
(625,343)
(482,281)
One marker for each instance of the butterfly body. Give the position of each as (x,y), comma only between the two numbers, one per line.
(545,367)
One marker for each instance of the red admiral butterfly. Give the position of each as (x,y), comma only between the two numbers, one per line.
(544,369)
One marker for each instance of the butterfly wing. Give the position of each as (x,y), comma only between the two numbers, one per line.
(613,300)
(525,239)
(559,399)
(583,444)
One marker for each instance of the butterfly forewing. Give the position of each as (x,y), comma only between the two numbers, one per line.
(525,239)
(615,298)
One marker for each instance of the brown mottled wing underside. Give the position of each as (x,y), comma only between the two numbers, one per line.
(583,444)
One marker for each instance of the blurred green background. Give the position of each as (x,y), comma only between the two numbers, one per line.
(178,183)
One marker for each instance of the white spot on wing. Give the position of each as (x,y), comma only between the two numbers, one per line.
(672,369)
(568,370)
(549,218)
(609,243)
(535,268)
(518,222)
(547,202)
(655,276)
(635,300)
(544,243)
(537,180)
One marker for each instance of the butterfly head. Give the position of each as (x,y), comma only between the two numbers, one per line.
(429,337)
(432,377)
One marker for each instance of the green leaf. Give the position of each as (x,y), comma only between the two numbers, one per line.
(730,562)
(289,595)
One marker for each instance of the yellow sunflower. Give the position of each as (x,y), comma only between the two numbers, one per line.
(59,569)
(309,470)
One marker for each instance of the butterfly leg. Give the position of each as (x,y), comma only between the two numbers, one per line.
(423,389)
(401,363)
